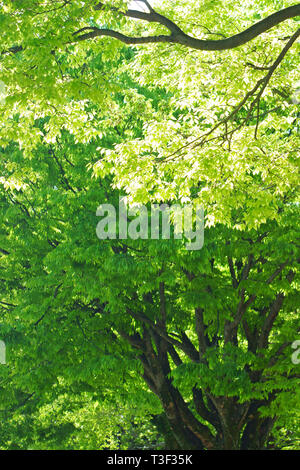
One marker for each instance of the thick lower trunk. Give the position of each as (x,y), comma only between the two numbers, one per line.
(237,429)
(256,433)
(183,427)
(209,422)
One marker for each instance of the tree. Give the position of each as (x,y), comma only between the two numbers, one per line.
(209,331)
(65,385)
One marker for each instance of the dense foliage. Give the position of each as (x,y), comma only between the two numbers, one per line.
(143,343)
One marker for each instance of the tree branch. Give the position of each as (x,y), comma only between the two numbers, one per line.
(177,36)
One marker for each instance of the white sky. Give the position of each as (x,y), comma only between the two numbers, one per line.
(140,5)
(136,5)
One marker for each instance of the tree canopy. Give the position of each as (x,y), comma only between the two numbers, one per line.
(132,343)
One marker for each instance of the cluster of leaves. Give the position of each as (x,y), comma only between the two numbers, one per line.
(68,383)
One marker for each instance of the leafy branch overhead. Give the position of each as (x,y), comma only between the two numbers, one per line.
(177,36)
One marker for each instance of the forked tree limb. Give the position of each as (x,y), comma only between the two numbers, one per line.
(256,92)
(177,36)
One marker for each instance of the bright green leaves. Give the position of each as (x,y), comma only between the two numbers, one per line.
(83,123)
